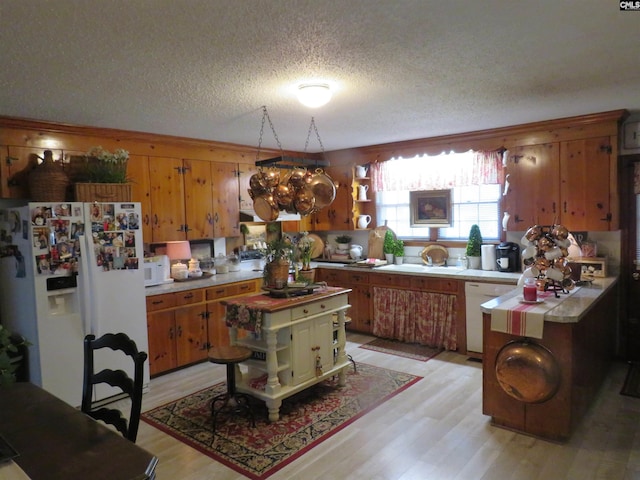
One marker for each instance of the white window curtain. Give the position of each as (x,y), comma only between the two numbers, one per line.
(437,172)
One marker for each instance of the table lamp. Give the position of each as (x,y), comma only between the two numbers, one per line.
(178,251)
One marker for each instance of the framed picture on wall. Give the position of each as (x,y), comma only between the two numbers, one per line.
(430,208)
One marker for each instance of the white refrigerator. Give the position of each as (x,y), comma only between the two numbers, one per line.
(69,269)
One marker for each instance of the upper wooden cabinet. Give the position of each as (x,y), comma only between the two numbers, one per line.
(585,181)
(167,199)
(226,200)
(191,199)
(138,172)
(533,194)
(571,182)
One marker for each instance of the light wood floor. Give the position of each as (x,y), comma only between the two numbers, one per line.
(433,430)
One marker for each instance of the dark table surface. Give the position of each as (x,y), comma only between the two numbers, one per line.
(57,441)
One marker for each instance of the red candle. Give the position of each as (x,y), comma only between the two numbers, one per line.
(530,292)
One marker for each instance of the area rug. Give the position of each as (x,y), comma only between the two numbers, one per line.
(306,419)
(402,349)
(631,385)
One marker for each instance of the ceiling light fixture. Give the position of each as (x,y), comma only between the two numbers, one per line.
(314,95)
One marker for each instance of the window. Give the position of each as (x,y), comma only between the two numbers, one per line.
(471,204)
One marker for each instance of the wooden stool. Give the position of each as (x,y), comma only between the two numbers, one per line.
(231,400)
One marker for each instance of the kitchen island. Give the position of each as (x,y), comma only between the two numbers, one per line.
(544,386)
(296,342)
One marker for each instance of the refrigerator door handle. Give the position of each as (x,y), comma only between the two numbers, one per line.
(84,284)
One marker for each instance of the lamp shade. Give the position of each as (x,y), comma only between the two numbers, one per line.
(178,250)
(314,95)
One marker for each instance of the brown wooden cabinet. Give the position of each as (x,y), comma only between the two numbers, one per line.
(193,199)
(167,199)
(226,200)
(359,297)
(177,336)
(138,172)
(585,181)
(533,197)
(570,182)
(182,326)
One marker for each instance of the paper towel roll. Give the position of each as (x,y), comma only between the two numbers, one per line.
(488,257)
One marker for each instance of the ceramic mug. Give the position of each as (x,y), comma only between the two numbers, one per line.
(503,263)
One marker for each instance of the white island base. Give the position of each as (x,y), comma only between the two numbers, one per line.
(301,342)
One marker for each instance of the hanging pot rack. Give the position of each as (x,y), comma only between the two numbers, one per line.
(300,192)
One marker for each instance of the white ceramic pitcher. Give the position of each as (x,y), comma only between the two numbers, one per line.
(363,221)
(361,171)
(362,192)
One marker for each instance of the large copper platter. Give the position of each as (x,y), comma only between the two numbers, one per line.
(527,372)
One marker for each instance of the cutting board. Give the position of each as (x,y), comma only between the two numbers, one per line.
(376,242)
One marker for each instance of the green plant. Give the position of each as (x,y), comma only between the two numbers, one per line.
(304,247)
(9,344)
(398,248)
(388,245)
(343,239)
(102,166)
(244,229)
(279,249)
(475,241)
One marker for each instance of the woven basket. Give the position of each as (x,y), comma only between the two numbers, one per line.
(102,192)
(48,182)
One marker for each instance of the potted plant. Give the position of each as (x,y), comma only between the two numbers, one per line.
(474,247)
(304,249)
(388,246)
(278,258)
(103,176)
(398,251)
(343,242)
(11,355)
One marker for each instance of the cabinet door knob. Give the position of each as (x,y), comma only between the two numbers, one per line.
(305,311)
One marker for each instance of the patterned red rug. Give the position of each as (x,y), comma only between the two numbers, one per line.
(402,349)
(306,419)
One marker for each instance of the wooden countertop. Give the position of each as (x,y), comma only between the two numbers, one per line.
(269,304)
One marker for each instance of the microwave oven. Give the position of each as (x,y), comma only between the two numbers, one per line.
(157,270)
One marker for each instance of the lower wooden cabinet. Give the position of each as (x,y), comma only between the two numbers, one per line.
(359,298)
(182,326)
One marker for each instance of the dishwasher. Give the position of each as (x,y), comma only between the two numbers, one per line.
(476,294)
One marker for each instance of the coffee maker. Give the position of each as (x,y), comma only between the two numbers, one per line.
(508,257)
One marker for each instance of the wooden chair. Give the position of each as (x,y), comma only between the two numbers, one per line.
(117,378)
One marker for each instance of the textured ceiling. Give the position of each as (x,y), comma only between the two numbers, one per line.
(401,69)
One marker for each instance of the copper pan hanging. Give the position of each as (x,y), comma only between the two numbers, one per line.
(304,200)
(266,207)
(323,189)
(283,193)
(297,177)
(271,177)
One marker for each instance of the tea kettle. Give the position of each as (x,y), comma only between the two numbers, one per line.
(355,252)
